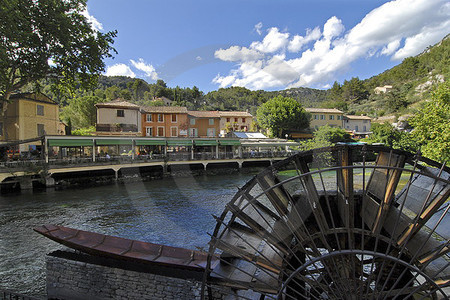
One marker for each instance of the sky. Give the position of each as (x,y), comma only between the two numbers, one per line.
(265,44)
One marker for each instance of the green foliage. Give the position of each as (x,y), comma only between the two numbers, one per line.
(389,136)
(281,114)
(432,125)
(36,32)
(326,136)
(81,111)
(88,131)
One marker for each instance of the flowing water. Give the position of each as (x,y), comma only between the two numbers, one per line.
(174,211)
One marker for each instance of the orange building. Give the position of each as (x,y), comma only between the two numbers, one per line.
(204,123)
(164,121)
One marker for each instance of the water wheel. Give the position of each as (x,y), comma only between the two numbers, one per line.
(345,222)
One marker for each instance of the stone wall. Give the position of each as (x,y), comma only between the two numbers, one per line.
(78,276)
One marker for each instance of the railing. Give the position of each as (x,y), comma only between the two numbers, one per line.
(8,295)
(31,165)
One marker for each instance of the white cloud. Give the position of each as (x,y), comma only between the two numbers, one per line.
(258,28)
(95,24)
(332,28)
(272,42)
(148,69)
(120,70)
(299,41)
(397,29)
(236,53)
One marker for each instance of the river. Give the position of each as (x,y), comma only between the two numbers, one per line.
(173,211)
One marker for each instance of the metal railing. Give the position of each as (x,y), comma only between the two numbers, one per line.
(31,164)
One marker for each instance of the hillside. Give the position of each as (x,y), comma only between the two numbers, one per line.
(411,83)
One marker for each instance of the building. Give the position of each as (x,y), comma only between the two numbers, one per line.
(164,121)
(28,116)
(358,125)
(382,89)
(325,116)
(118,117)
(166,101)
(204,123)
(234,121)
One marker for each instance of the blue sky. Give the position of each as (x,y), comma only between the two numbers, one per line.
(262,44)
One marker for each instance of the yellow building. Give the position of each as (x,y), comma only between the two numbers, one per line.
(28,116)
(325,116)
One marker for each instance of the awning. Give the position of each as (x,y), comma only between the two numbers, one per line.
(205,142)
(179,143)
(150,142)
(269,144)
(110,142)
(69,142)
(230,142)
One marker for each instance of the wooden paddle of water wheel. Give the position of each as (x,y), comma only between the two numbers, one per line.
(345,222)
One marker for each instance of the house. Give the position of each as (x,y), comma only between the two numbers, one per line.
(234,121)
(382,89)
(325,116)
(29,115)
(118,117)
(166,101)
(164,121)
(204,123)
(358,125)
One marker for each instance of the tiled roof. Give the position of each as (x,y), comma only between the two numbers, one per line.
(37,97)
(324,110)
(203,114)
(118,103)
(354,117)
(165,109)
(235,114)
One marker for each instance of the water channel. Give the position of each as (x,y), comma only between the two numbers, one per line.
(174,211)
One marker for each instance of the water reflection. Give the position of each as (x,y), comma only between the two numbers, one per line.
(175,212)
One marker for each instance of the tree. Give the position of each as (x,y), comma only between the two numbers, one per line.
(281,114)
(432,125)
(391,137)
(49,39)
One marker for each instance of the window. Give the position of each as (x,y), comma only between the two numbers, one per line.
(120,113)
(40,110)
(160,118)
(211,121)
(193,132)
(365,121)
(210,132)
(331,117)
(339,117)
(316,117)
(1,129)
(322,117)
(364,128)
(228,120)
(149,131)
(356,128)
(160,131)
(40,129)
(173,131)
(235,120)
(149,118)
(174,118)
(243,120)
(192,121)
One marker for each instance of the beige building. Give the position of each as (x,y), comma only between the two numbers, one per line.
(29,116)
(325,116)
(382,89)
(234,121)
(118,117)
(357,124)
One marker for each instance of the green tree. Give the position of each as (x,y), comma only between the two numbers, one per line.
(389,136)
(282,113)
(81,111)
(432,125)
(49,39)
